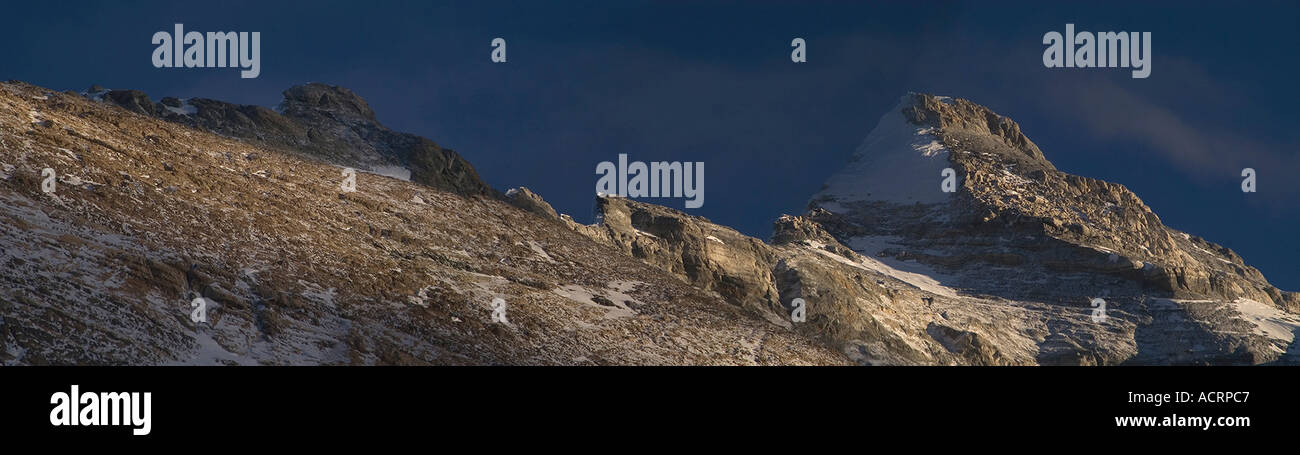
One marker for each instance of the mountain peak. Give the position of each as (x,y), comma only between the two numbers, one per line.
(962,119)
(1013,222)
(315,96)
(902,159)
(898,163)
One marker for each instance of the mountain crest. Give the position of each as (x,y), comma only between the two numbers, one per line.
(328,122)
(152,211)
(313,98)
(960,119)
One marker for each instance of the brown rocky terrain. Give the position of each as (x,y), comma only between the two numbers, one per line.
(159,203)
(1001,271)
(1017,228)
(148,214)
(318,120)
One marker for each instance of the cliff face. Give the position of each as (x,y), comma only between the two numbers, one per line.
(1007,182)
(873,313)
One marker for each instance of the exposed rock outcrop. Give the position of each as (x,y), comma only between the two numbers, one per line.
(328,122)
(871,311)
(528,200)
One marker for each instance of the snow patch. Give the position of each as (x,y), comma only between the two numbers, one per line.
(899,162)
(185,109)
(208,352)
(1269,321)
(317,293)
(647,234)
(615,291)
(911,272)
(397,172)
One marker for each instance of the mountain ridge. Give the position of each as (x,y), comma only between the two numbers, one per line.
(186,198)
(317,119)
(148,215)
(1017,236)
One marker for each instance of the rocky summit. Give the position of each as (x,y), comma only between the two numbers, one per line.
(318,120)
(147,206)
(1017,231)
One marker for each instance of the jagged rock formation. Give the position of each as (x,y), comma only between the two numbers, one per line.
(712,257)
(323,121)
(1002,271)
(147,215)
(526,199)
(870,311)
(1017,228)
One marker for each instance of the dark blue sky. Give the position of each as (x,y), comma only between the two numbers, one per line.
(713,82)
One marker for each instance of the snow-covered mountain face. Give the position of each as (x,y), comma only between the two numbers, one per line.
(898,163)
(902,159)
(1020,230)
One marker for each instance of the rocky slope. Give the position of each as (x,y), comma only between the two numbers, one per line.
(159,203)
(1017,228)
(149,214)
(875,313)
(1002,270)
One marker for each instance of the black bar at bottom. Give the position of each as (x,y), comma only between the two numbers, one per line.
(550,405)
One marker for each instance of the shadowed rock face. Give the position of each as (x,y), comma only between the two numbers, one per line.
(1001,271)
(1016,221)
(1017,228)
(320,120)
